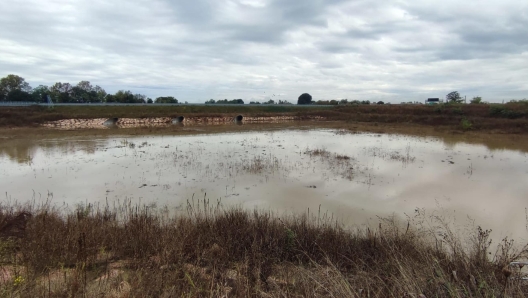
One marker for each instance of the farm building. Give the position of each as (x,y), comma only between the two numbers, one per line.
(432,101)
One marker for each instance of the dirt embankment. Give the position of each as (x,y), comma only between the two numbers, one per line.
(508,118)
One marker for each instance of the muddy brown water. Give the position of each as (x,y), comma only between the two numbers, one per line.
(353,176)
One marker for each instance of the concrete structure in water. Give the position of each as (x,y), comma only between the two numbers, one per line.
(178,119)
(111,121)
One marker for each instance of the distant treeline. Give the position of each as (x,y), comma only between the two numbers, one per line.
(15,88)
(225,101)
(240,101)
(271,102)
(344,102)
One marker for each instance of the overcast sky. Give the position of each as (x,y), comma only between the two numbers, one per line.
(259,49)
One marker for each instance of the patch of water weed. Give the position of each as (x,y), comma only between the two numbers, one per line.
(404,157)
(213,250)
(259,165)
(340,164)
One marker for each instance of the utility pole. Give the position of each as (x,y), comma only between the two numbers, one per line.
(50,102)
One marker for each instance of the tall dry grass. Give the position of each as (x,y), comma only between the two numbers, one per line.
(213,251)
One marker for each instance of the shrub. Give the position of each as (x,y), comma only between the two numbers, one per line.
(503,112)
(458,111)
(466,124)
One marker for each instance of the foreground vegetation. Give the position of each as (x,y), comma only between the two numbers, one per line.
(211,251)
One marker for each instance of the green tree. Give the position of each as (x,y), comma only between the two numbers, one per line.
(304,99)
(40,93)
(123,96)
(476,100)
(454,97)
(79,95)
(226,101)
(140,98)
(61,92)
(381,102)
(166,99)
(210,101)
(85,85)
(110,98)
(149,100)
(85,92)
(13,82)
(100,92)
(19,95)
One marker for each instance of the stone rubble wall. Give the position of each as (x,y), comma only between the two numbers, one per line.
(165,121)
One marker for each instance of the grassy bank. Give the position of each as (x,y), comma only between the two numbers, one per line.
(27,116)
(510,118)
(211,251)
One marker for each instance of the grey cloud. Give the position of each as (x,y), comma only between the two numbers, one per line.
(373,31)
(230,49)
(498,29)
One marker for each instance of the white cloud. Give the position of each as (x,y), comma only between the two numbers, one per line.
(389,50)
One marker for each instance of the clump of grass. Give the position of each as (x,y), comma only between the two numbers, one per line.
(403,156)
(259,165)
(318,152)
(466,124)
(340,164)
(342,157)
(326,154)
(210,250)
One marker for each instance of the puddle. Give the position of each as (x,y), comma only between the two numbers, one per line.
(353,176)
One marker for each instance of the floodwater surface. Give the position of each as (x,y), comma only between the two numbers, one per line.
(354,176)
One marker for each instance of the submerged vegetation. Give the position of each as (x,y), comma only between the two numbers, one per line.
(208,250)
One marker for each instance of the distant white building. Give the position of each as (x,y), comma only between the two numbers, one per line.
(433,101)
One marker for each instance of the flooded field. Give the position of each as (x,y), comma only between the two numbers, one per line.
(349,175)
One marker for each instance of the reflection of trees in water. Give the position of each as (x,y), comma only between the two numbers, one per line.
(23,151)
(492,142)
